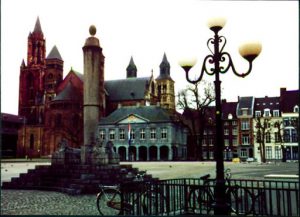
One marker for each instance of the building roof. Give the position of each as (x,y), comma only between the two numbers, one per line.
(54,54)
(69,93)
(229,108)
(289,99)
(266,102)
(127,89)
(245,103)
(153,114)
(12,118)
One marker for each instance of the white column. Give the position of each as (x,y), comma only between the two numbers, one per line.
(148,153)
(170,151)
(137,153)
(127,153)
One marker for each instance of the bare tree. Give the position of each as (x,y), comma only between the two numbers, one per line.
(278,125)
(195,100)
(263,127)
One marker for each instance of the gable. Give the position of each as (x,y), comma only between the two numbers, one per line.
(132,119)
(74,78)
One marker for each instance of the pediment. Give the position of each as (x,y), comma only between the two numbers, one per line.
(132,119)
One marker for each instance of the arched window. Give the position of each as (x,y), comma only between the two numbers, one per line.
(75,120)
(296,109)
(49,77)
(152,88)
(30,80)
(31,143)
(58,120)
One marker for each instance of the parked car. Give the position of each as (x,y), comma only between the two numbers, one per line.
(250,159)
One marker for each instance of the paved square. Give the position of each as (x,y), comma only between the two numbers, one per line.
(28,202)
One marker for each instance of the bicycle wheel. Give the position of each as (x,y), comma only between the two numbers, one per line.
(109,202)
(153,203)
(201,201)
(240,200)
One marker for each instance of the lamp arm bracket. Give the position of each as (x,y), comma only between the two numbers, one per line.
(231,65)
(210,41)
(208,59)
(223,40)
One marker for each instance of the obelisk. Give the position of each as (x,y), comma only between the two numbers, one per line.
(93,91)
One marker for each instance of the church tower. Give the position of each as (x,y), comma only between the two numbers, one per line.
(165,85)
(131,69)
(53,75)
(31,86)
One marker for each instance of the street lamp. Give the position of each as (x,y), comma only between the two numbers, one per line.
(215,63)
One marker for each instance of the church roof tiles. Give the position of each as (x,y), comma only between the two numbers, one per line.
(127,89)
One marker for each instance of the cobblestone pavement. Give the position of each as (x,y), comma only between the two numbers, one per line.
(31,202)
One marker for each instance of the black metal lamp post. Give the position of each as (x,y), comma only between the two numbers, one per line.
(216,63)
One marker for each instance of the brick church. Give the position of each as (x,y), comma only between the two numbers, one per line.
(52,105)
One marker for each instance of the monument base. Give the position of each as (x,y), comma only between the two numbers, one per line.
(67,173)
(72,179)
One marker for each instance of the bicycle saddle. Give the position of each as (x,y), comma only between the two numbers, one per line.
(205,177)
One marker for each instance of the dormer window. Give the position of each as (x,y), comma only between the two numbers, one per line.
(276,113)
(257,113)
(296,109)
(267,113)
(244,111)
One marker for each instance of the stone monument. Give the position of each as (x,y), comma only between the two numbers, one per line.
(93,100)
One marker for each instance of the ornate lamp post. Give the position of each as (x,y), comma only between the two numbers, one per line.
(216,63)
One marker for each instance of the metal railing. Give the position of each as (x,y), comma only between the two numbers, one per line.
(249,197)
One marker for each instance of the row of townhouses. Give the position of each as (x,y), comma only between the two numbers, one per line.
(265,129)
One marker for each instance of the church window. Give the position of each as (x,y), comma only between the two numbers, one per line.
(58,120)
(31,143)
(152,88)
(49,77)
(75,120)
(164,90)
(30,80)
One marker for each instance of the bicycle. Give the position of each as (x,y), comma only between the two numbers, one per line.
(201,199)
(113,200)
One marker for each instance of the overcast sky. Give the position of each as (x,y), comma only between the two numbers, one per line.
(145,29)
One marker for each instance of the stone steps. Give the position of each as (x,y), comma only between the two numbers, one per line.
(72,179)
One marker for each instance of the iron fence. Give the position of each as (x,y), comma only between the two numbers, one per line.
(193,196)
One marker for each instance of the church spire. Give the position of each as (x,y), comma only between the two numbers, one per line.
(23,64)
(131,69)
(164,67)
(36,50)
(37,27)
